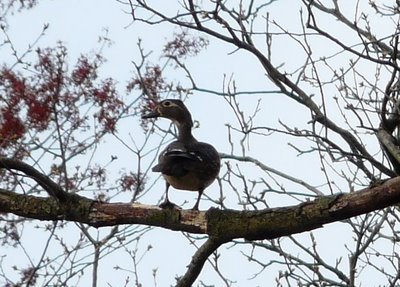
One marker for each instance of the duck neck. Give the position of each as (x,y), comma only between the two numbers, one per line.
(185,133)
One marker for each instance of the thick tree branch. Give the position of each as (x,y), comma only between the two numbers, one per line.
(45,182)
(223,225)
(98,214)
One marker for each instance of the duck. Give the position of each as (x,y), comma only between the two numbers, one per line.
(185,164)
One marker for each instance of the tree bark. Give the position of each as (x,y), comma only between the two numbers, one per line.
(223,225)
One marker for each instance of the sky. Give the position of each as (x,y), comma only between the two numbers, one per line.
(79,24)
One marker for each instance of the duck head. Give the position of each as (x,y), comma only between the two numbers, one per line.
(171,109)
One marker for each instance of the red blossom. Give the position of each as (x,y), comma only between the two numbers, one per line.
(84,71)
(98,176)
(110,124)
(184,45)
(39,114)
(132,182)
(44,60)
(151,83)
(110,105)
(11,128)
(28,100)
(14,83)
(150,105)
(101,95)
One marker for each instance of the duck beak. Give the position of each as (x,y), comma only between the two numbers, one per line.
(153,114)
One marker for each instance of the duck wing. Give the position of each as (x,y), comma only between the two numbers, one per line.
(177,159)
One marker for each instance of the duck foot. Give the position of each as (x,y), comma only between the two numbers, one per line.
(195,207)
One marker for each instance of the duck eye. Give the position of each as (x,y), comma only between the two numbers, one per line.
(166,103)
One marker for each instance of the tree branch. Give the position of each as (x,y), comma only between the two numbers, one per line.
(44,181)
(223,225)
(272,170)
(197,263)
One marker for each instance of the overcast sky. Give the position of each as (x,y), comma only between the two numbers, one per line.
(79,24)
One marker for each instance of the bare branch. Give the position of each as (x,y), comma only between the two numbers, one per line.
(197,263)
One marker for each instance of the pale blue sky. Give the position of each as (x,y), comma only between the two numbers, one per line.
(80,23)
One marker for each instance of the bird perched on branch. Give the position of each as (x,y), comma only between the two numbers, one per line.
(186,163)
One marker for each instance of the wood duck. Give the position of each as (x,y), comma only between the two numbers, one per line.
(185,163)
